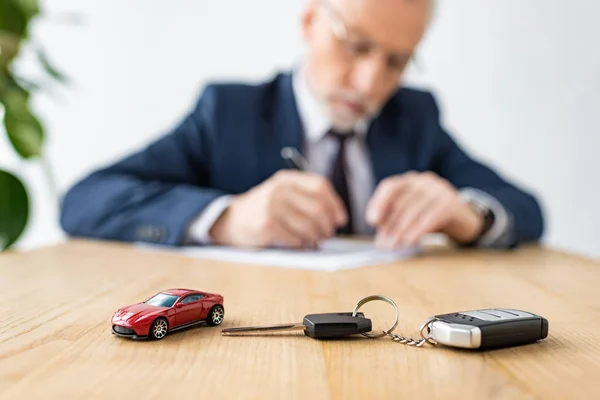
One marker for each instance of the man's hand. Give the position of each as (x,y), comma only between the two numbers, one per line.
(404,208)
(292,209)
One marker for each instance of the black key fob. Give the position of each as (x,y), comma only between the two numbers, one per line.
(487,328)
(335,325)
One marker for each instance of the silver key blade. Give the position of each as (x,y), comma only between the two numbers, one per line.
(262,329)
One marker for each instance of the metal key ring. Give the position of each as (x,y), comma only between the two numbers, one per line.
(382,298)
(427,336)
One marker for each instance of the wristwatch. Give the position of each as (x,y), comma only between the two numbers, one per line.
(486,214)
(498,229)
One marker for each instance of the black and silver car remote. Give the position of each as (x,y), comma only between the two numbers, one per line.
(487,328)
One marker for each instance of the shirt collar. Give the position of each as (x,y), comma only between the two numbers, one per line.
(312,116)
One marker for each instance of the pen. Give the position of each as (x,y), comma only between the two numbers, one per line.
(294,159)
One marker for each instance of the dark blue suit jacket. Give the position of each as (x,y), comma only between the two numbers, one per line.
(231,141)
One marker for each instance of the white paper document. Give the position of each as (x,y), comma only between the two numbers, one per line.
(333,255)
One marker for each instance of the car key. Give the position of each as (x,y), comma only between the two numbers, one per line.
(487,328)
(317,326)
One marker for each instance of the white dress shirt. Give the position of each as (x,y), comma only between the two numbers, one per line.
(320,151)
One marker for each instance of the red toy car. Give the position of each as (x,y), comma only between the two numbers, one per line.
(168,311)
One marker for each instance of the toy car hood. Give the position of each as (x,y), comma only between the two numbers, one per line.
(136,311)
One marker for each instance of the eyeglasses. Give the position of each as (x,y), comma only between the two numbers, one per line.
(357,45)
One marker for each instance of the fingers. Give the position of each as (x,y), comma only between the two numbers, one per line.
(320,190)
(407,198)
(304,207)
(315,211)
(280,235)
(382,201)
(285,226)
(408,218)
(310,228)
(427,223)
(413,207)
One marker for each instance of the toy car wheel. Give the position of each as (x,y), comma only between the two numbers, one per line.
(216,315)
(159,329)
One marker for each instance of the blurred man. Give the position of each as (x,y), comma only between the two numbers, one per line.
(375,158)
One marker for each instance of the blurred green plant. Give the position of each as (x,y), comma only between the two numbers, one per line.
(24,129)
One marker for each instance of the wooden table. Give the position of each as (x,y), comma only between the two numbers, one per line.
(56,304)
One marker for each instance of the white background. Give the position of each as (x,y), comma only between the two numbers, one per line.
(518,83)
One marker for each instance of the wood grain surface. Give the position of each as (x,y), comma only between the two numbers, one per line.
(56,304)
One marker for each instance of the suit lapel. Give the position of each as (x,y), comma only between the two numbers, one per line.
(388,141)
(281,127)
(388,138)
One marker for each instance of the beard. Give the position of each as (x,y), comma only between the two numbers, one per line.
(347,109)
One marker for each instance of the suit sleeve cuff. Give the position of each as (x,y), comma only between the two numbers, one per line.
(501,233)
(200,227)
